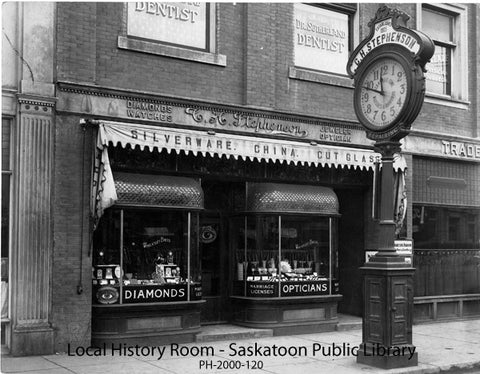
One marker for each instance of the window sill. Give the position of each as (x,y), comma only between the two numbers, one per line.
(319,77)
(446,101)
(170,51)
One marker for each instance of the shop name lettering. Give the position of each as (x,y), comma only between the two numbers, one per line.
(304,288)
(269,288)
(239,350)
(258,149)
(335,134)
(386,35)
(151,111)
(245,121)
(167,10)
(156,242)
(317,41)
(329,155)
(182,140)
(157,293)
(460,149)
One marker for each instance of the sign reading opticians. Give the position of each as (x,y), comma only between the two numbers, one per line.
(320,39)
(183,24)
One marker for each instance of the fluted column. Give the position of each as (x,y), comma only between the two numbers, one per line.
(33,143)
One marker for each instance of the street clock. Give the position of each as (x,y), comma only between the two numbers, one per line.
(388,71)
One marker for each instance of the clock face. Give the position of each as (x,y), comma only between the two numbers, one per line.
(381,93)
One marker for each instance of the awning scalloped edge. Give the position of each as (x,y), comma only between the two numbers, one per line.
(238,146)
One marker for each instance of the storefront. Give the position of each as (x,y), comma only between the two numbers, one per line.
(201,227)
(286,262)
(145,261)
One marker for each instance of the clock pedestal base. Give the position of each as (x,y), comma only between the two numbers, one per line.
(387,287)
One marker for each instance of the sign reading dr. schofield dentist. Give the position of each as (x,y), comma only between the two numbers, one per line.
(320,39)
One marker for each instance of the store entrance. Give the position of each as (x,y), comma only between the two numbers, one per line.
(213,252)
(351,251)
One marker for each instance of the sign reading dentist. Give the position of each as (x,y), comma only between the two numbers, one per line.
(182,24)
(320,39)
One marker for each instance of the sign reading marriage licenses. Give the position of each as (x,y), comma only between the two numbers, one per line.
(321,39)
(183,24)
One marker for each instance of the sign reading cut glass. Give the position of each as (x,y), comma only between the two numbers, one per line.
(184,24)
(321,39)
(388,67)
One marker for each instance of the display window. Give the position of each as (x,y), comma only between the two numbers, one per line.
(147,254)
(284,254)
(442,227)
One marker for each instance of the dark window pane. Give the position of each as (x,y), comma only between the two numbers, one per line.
(446,228)
(5,213)
(6,128)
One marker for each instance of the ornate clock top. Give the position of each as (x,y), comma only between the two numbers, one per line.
(388,67)
(399,17)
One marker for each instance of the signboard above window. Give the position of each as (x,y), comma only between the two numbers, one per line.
(181,24)
(178,30)
(321,39)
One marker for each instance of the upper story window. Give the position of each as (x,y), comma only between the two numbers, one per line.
(323,37)
(447,70)
(179,30)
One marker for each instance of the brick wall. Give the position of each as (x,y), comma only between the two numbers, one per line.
(71,312)
(76,42)
(113,67)
(446,193)
(257,41)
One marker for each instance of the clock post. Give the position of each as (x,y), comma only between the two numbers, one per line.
(388,70)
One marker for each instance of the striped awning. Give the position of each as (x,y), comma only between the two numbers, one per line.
(236,146)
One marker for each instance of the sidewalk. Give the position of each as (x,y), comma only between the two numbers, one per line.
(448,346)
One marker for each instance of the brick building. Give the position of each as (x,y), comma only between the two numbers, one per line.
(204,112)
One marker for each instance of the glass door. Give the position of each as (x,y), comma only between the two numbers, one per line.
(213,257)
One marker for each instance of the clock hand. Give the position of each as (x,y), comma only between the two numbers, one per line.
(371,89)
(381,84)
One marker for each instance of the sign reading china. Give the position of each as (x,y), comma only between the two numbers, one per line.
(182,24)
(321,39)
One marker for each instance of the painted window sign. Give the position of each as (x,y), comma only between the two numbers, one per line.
(183,24)
(440,27)
(320,39)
